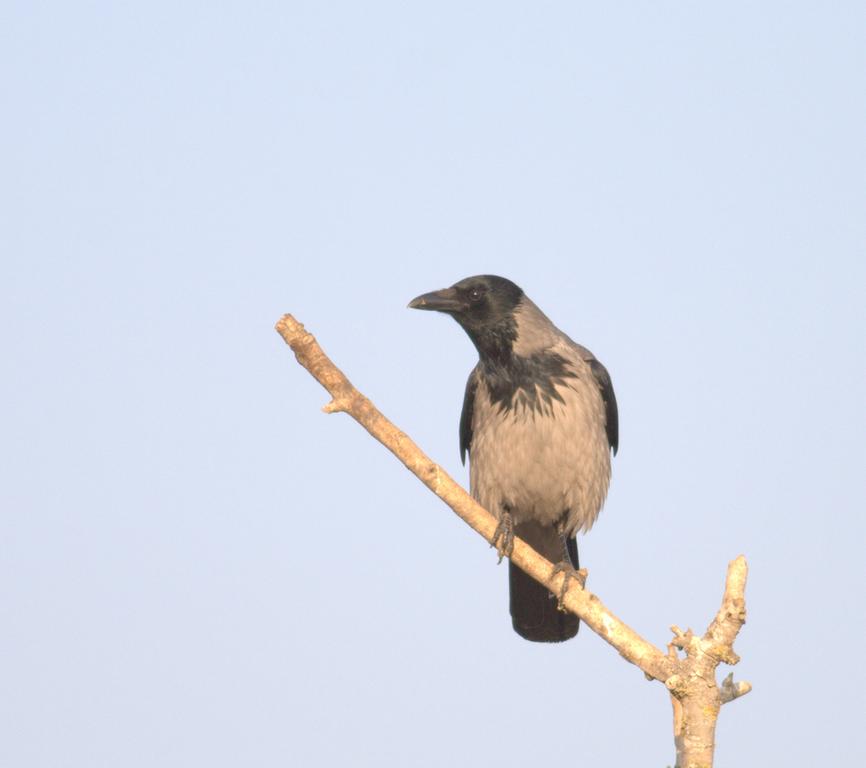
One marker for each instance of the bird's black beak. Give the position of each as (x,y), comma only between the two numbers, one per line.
(445,300)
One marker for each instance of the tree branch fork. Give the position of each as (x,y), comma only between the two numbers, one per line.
(690,677)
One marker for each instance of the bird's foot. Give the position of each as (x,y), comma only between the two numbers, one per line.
(568,573)
(503,536)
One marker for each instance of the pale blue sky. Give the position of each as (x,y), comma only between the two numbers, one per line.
(198,567)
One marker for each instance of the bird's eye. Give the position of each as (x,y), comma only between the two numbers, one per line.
(475,294)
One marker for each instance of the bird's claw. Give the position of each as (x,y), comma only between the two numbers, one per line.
(503,536)
(568,573)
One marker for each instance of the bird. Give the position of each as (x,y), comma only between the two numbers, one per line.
(539,424)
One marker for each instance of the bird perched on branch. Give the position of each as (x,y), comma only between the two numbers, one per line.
(539,423)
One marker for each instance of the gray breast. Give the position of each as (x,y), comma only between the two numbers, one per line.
(542,463)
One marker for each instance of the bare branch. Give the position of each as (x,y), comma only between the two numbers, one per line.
(695,696)
(720,635)
(732,690)
(580,601)
(690,680)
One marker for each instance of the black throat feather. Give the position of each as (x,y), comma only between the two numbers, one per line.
(517,382)
(527,383)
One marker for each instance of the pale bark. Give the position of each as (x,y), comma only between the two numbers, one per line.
(691,680)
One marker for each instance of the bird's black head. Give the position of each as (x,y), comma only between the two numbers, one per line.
(484,305)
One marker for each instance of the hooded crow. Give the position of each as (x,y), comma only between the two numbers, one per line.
(539,423)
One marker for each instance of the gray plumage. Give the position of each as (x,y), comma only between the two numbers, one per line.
(539,422)
(542,458)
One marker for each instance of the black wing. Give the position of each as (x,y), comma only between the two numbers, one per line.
(466,415)
(611,413)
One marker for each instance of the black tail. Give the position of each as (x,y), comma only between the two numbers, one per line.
(533,608)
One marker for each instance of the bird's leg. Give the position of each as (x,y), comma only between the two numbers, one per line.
(503,536)
(566,568)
